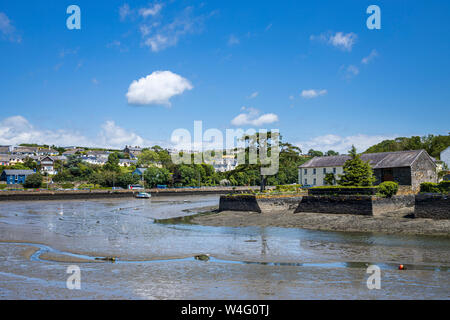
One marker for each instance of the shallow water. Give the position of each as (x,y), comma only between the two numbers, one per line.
(156,261)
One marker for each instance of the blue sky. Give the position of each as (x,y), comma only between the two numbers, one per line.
(311,69)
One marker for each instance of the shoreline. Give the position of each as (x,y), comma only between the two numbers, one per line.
(387,224)
(101,194)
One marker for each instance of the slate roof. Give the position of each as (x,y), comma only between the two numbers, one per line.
(377,160)
(9,172)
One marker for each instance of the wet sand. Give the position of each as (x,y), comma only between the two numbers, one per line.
(39,240)
(388,224)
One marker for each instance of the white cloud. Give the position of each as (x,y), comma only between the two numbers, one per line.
(309,94)
(152,11)
(233,40)
(339,40)
(351,71)
(342,144)
(157,88)
(252,118)
(17,129)
(159,36)
(373,54)
(124,11)
(254,95)
(7,30)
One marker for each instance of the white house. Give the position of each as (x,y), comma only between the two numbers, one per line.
(227,163)
(445,156)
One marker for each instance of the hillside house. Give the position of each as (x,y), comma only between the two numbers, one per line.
(445,157)
(409,168)
(15,176)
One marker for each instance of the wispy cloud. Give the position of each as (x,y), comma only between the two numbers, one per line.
(150,11)
(252,117)
(254,95)
(160,30)
(7,30)
(342,144)
(312,93)
(157,88)
(233,40)
(373,54)
(340,40)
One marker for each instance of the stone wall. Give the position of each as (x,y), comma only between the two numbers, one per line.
(255,204)
(423,170)
(403,205)
(434,206)
(361,205)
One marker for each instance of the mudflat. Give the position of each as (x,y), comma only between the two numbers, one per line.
(389,224)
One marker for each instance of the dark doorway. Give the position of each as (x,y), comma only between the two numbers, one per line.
(387,175)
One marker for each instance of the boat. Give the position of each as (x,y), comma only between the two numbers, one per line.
(143,195)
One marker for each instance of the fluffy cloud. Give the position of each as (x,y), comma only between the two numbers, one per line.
(343,41)
(157,88)
(309,94)
(341,144)
(373,54)
(17,129)
(7,30)
(252,118)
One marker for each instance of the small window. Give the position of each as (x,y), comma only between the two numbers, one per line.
(314,181)
(334,170)
(306,171)
(314,171)
(306,181)
(324,170)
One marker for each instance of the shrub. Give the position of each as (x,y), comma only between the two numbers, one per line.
(444,186)
(387,189)
(429,187)
(67,185)
(33,181)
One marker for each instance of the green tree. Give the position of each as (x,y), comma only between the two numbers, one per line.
(113,163)
(33,181)
(331,153)
(315,153)
(330,179)
(154,176)
(147,158)
(356,171)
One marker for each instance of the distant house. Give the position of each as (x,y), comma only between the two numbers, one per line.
(140,172)
(47,165)
(227,163)
(5,149)
(445,156)
(404,167)
(127,162)
(95,157)
(47,152)
(15,176)
(71,152)
(134,152)
(27,151)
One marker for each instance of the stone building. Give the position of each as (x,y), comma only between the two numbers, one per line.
(409,168)
(445,157)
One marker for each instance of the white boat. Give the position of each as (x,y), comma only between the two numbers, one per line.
(143,195)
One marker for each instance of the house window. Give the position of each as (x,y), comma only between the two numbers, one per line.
(306,181)
(314,171)
(314,183)
(306,171)
(324,170)
(334,170)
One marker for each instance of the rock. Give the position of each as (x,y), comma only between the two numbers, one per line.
(202,257)
(110,259)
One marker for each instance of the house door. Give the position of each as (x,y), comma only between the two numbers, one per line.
(387,175)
